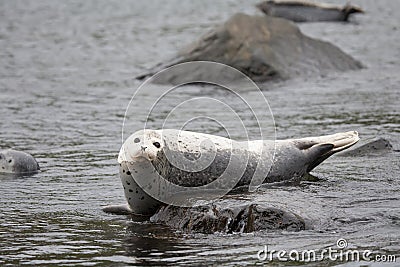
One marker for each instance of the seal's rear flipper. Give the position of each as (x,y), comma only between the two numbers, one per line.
(320,148)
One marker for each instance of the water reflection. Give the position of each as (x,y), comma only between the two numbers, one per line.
(150,243)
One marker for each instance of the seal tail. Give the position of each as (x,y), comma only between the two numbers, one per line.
(320,148)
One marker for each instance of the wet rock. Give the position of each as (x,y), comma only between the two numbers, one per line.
(375,147)
(264,48)
(235,218)
(304,11)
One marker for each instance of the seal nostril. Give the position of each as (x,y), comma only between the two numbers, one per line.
(143,148)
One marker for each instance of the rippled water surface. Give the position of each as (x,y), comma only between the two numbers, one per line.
(66,77)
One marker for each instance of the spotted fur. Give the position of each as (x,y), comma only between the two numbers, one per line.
(153,151)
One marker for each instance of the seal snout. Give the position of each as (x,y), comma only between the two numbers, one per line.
(137,152)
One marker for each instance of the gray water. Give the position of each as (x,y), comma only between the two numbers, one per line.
(66,78)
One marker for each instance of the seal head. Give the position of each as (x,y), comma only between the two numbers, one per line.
(134,159)
(142,145)
(17,162)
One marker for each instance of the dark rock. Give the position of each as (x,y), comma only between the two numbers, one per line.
(264,48)
(375,147)
(304,11)
(235,218)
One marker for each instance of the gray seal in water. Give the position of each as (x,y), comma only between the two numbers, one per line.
(175,156)
(306,11)
(17,162)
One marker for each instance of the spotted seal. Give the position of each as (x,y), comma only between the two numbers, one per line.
(17,162)
(306,11)
(191,159)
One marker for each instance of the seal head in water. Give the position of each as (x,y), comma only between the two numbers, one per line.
(17,162)
(174,155)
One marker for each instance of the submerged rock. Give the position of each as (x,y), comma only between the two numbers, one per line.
(305,11)
(377,146)
(263,47)
(234,218)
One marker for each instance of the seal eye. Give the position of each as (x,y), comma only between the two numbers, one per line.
(157,144)
(136,140)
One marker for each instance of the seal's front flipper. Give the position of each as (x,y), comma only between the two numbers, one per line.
(118,209)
